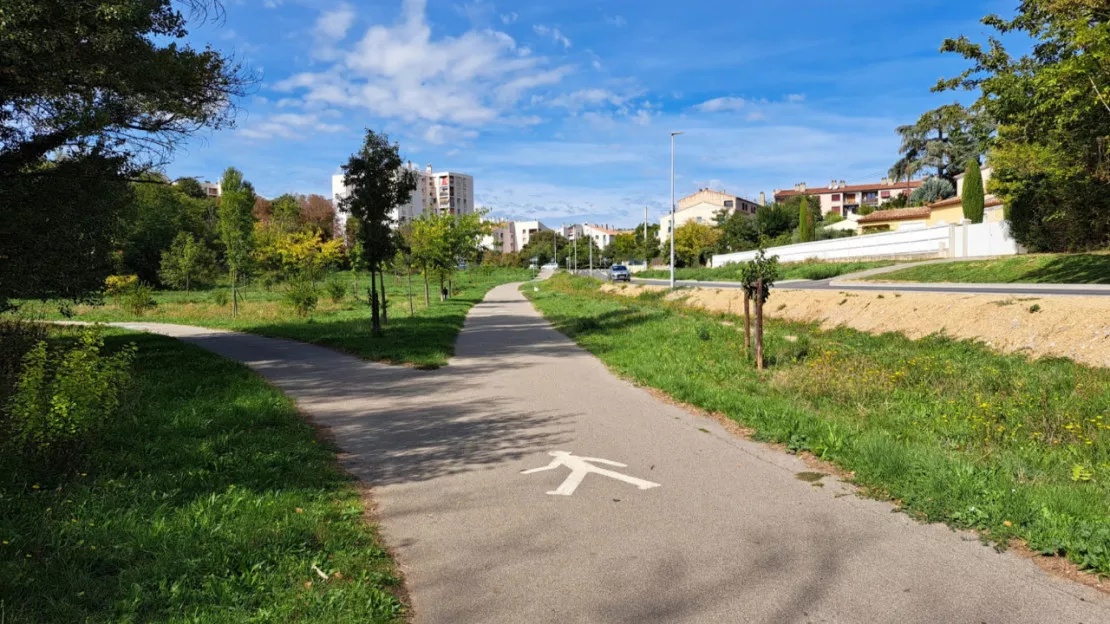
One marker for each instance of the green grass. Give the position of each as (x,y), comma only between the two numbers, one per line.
(810,270)
(207,500)
(1037,269)
(951,430)
(426,340)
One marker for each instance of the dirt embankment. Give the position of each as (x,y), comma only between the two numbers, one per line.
(1072,327)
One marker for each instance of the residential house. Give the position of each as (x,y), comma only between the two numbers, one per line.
(844,199)
(702,207)
(944,212)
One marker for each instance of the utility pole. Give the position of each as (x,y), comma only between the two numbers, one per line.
(575,250)
(555,241)
(673,134)
(591,241)
(646,259)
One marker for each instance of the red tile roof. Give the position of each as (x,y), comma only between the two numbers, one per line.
(897,214)
(956,201)
(852,188)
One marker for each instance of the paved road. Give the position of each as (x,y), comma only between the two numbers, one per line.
(1036,290)
(729,535)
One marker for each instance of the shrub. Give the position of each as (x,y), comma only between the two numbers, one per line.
(337,290)
(302,297)
(17,337)
(117,285)
(139,298)
(933,189)
(219,297)
(61,397)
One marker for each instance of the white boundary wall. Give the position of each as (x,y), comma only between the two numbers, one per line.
(966,240)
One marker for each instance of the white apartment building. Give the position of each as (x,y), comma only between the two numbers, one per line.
(702,207)
(212,189)
(523,231)
(602,235)
(844,199)
(445,192)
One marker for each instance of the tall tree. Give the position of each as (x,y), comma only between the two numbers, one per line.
(236,229)
(973,198)
(318,212)
(428,238)
(111,89)
(285,213)
(805,221)
(377,184)
(157,215)
(694,242)
(943,140)
(187,262)
(1052,104)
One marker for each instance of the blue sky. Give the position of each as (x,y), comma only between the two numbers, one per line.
(561,110)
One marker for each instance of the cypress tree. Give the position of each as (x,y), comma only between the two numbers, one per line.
(973,197)
(805,221)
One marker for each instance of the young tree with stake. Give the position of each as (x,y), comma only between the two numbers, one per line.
(236,228)
(377,183)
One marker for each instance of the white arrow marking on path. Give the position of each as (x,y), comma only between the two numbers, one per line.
(582,466)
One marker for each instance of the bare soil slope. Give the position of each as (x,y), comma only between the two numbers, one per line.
(1073,327)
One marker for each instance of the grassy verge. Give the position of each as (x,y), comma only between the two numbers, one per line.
(426,339)
(208,500)
(1036,269)
(810,270)
(951,430)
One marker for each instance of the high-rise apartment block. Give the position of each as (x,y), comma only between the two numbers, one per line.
(445,192)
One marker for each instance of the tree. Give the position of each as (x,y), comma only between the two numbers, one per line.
(318,212)
(159,212)
(542,245)
(428,238)
(91,94)
(622,248)
(647,246)
(236,229)
(758,276)
(285,213)
(187,261)
(190,187)
(377,184)
(932,190)
(805,222)
(694,242)
(1052,106)
(943,139)
(973,197)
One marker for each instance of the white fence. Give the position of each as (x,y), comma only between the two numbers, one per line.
(966,240)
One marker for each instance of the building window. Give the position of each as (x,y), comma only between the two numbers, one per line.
(728,203)
(699,219)
(836,197)
(886,194)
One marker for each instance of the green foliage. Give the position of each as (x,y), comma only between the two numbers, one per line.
(694,243)
(739,230)
(805,221)
(63,396)
(932,190)
(301,296)
(236,228)
(187,262)
(813,269)
(115,286)
(1031,268)
(138,298)
(1052,105)
(93,93)
(973,197)
(208,501)
(944,140)
(336,289)
(285,213)
(159,214)
(623,248)
(219,297)
(542,245)
(760,267)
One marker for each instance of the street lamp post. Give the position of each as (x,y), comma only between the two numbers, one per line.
(673,134)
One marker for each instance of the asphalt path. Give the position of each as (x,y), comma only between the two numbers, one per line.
(983,289)
(674,520)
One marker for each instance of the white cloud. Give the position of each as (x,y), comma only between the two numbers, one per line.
(720,104)
(616,20)
(554,33)
(796,97)
(583,98)
(756,116)
(289,126)
(335,23)
(400,72)
(509,18)
(437,134)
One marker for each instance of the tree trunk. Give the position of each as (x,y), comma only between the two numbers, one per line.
(354,273)
(186,283)
(375,321)
(411,313)
(759,324)
(385,302)
(747,325)
(442,293)
(427,290)
(234,295)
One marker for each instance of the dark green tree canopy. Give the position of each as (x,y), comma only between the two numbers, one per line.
(942,141)
(974,198)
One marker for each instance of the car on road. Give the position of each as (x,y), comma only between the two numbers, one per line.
(619,273)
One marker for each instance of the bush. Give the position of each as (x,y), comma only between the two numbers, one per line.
(220,298)
(302,297)
(139,298)
(117,285)
(336,289)
(62,397)
(17,337)
(933,189)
